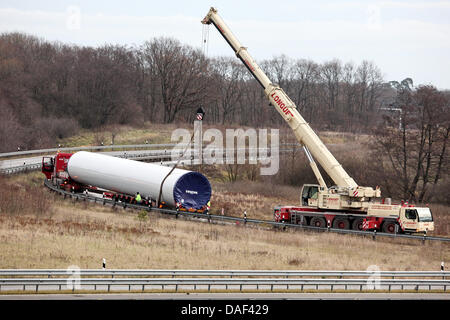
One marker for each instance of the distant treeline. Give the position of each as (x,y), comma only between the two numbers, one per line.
(50,89)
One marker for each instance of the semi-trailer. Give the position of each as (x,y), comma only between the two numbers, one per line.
(121,179)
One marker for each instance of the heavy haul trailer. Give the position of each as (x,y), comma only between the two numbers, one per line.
(120,179)
(345,205)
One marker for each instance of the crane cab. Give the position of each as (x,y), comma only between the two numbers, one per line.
(416,219)
(310,195)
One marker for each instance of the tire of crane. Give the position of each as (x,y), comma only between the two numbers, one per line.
(317,222)
(341,223)
(388,226)
(357,224)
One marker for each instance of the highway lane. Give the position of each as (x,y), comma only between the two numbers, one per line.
(5,164)
(134,154)
(11,163)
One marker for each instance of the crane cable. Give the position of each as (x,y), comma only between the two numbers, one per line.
(173,168)
(205,49)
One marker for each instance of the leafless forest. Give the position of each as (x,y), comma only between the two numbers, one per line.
(54,88)
(49,90)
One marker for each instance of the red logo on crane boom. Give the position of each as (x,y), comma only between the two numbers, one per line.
(282,106)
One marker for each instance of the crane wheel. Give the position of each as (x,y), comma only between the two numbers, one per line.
(358,224)
(317,222)
(341,223)
(389,227)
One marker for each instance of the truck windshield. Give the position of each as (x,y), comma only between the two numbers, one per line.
(424,214)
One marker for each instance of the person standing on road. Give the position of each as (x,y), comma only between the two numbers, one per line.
(177,205)
(138,198)
(245,216)
(208,206)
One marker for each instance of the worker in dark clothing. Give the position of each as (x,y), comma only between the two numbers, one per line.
(149,202)
(178,205)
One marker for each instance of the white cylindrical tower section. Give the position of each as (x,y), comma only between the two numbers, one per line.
(191,189)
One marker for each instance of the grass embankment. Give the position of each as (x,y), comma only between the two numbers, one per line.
(161,133)
(122,135)
(153,133)
(68,233)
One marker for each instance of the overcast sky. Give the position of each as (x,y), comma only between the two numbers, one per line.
(403,38)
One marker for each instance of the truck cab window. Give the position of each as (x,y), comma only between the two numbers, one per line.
(305,196)
(424,215)
(411,214)
(313,192)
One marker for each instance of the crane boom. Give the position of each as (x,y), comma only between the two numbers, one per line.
(285,106)
(346,195)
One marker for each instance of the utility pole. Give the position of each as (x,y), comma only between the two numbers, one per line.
(198,137)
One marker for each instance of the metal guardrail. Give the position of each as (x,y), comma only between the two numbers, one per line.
(65,149)
(151,155)
(220,218)
(105,147)
(263,280)
(19,169)
(222,273)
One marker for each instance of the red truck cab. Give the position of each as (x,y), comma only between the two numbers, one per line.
(55,169)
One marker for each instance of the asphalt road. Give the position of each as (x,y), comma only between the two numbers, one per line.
(5,164)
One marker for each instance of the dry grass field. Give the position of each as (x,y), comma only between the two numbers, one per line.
(155,133)
(62,233)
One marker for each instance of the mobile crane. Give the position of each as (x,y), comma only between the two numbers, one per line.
(345,205)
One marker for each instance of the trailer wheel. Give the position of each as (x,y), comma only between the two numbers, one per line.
(317,222)
(341,223)
(358,224)
(389,227)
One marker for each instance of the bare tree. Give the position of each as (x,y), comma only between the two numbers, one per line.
(280,70)
(369,80)
(306,73)
(416,152)
(229,76)
(330,73)
(182,75)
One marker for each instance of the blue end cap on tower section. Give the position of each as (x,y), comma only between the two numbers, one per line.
(192,190)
